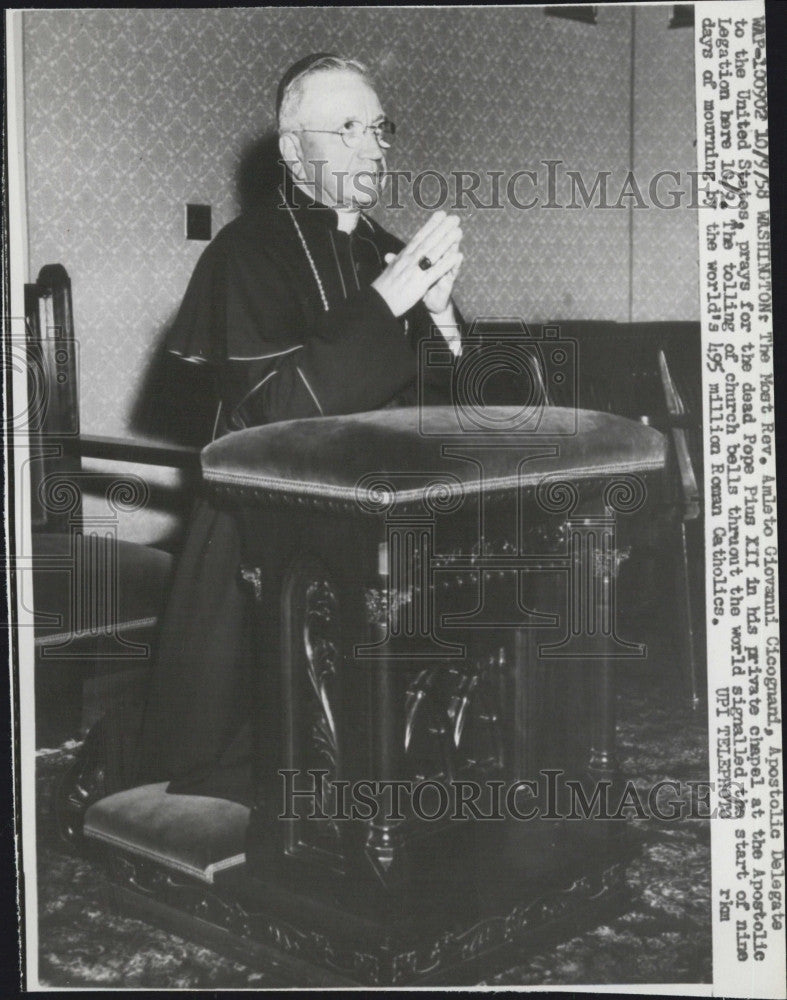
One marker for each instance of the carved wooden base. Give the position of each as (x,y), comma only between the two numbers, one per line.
(455,938)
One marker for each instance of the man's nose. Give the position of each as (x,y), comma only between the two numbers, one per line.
(371,145)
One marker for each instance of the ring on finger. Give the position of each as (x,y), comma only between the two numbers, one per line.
(424,263)
(438,249)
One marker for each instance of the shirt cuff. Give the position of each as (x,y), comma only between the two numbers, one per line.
(452,335)
(454,341)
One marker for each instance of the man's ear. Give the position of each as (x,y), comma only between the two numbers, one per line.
(292,154)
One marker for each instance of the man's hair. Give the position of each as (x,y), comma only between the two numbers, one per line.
(291,85)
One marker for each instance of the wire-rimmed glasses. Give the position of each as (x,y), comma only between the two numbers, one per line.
(353,133)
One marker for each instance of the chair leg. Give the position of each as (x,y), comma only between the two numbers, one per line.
(58,699)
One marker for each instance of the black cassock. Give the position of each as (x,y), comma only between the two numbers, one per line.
(281,304)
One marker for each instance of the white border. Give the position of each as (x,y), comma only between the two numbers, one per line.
(24,738)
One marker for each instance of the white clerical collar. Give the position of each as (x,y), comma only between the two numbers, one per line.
(346,218)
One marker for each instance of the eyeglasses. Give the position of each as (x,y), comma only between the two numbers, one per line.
(353,133)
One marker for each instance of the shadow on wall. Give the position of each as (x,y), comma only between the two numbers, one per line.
(177,400)
(259,172)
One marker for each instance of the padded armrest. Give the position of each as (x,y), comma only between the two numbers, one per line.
(87,584)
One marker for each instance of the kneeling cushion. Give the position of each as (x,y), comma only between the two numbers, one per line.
(193,834)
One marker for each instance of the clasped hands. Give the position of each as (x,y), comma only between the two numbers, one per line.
(405,282)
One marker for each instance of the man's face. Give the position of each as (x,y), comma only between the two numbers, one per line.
(342,177)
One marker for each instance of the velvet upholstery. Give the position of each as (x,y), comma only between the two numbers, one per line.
(133,602)
(192,834)
(329,457)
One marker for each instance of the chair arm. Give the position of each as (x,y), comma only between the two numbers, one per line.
(129,450)
(678,422)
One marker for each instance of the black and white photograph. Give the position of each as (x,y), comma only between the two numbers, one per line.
(390,498)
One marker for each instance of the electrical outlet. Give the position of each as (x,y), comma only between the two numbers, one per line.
(198,222)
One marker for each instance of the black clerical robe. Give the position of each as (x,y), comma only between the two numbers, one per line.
(281,304)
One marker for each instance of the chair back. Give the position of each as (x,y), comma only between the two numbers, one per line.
(53,407)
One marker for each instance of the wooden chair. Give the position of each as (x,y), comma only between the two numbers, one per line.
(650,372)
(96,597)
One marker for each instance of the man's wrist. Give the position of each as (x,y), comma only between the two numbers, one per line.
(445,318)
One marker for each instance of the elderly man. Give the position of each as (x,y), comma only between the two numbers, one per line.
(306,307)
(310,306)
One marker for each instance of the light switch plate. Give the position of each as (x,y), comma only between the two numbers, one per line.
(198,223)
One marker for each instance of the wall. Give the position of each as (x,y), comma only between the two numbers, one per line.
(665,268)
(132,113)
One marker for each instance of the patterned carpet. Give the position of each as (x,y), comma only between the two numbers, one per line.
(664,938)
